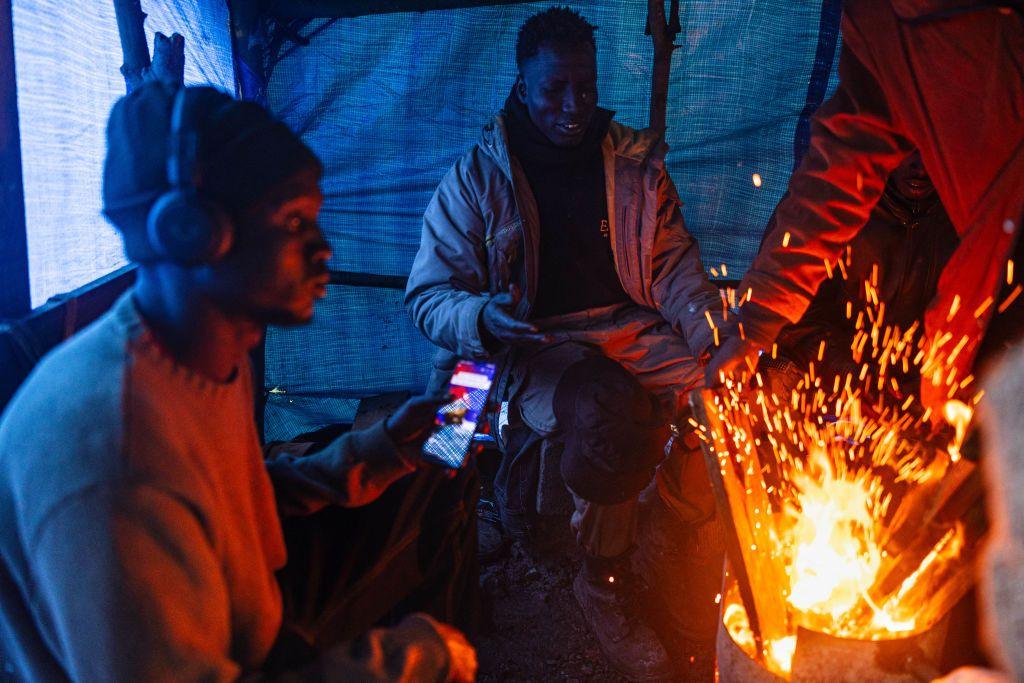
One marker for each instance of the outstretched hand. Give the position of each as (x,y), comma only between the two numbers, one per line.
(412,424)
(499,321)
(734,357)
(462,656)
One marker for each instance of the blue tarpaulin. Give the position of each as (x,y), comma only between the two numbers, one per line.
(67,59)
(390,101)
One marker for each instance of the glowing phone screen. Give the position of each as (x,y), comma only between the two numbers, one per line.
(456,422)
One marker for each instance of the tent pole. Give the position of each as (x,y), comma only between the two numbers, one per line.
(315,9)
(248,51)
(15,298)
(130,27)
(663,31)
(168,64)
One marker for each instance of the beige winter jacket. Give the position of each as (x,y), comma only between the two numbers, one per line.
(480,234)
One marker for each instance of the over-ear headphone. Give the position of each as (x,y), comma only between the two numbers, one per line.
(183,225)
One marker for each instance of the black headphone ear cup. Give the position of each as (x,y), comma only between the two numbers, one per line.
(190,231)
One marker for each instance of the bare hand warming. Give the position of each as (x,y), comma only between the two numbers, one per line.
(735,356)
(499,321)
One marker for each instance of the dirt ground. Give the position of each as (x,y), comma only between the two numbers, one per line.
(533,628)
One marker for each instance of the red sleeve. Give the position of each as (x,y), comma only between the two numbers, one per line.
(855,144)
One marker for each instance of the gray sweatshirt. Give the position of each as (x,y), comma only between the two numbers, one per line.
(139,529)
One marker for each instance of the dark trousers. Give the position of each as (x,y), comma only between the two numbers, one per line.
(414,549)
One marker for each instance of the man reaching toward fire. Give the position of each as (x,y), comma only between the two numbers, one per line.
(556,246)
(943,77)
(901,250)
(901,88)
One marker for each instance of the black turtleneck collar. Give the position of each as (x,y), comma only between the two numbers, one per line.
(908,210)
(532,146)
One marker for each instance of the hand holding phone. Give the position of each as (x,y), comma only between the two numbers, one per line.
(456,421)
(414,419)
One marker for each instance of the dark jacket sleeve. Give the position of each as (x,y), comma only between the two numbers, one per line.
(855,144)
(351,471)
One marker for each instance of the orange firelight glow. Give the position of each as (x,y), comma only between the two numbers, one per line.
(830,485)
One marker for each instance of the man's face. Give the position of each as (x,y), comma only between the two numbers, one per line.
(559,88)
(277,268)
(911,180)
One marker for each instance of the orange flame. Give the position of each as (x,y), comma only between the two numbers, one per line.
(823,474)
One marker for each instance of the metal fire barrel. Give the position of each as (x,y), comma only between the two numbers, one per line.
(735,666)
(821,658)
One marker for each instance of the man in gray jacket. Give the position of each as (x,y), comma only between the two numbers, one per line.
(556,246)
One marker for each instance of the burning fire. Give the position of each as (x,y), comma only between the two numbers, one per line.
(834,485)
(959,415)
(835,555)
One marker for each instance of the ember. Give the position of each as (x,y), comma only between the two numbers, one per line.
(851,509)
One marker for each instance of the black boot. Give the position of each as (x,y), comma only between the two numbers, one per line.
(606,591)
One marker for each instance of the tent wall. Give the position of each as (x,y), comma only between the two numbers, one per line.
(58,92)
(390,101)
(67,58)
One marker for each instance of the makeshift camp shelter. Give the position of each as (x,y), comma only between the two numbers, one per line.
(389,94)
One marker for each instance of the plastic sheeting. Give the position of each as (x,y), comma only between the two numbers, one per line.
(390,101)
(67,61)
(359,344)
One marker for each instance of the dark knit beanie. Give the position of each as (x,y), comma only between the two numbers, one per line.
(242,153)
(614,431)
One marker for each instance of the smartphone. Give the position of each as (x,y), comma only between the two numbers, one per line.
(456,422)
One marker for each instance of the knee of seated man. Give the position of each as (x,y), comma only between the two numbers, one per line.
(614,431)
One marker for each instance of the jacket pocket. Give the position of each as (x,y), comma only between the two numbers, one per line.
(504,255)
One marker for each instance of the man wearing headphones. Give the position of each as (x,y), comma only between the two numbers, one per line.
(139,529)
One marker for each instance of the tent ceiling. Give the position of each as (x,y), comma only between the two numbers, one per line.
(312,9)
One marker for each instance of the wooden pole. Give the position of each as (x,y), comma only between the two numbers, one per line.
(663,30)
(131,28)
(313,9)
(168,64)
(724,508)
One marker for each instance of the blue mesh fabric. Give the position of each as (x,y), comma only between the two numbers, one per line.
(390,101)
(360,343)
(67,60)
